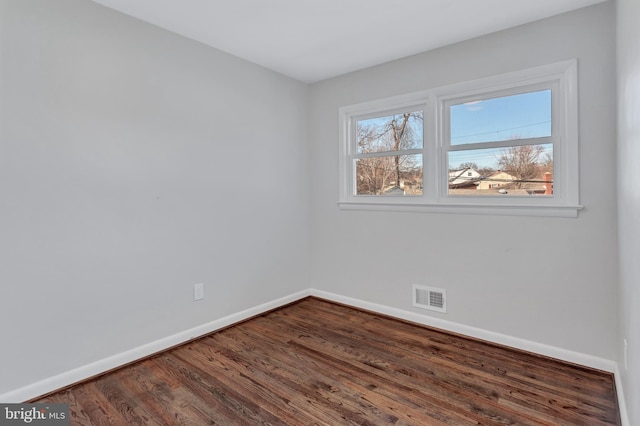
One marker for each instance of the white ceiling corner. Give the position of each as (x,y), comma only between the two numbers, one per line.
(311,40)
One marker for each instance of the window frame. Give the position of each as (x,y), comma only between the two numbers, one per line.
(560,77)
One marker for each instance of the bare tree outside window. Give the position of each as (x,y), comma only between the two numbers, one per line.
(527,163)
(392,171)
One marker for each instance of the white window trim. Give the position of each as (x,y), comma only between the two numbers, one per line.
(563,203)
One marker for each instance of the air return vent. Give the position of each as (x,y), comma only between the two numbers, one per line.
(434,299)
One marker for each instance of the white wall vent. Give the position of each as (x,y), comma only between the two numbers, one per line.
(434,299)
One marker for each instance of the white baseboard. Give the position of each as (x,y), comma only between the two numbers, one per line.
(502,339)
(622,405)
(90,370)
(84,372)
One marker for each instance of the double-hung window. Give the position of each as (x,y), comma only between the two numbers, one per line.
(501,145)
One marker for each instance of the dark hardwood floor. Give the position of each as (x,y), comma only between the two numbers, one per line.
(316,362)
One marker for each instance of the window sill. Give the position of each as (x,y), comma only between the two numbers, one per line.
(476,209)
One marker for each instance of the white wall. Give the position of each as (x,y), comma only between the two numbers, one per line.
(120,151)
(628,12)
(547,280)
(133,164)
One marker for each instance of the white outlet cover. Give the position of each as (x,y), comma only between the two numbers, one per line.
(626,355)
(198,291)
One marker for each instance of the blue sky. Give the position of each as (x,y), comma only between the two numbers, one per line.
(519,116)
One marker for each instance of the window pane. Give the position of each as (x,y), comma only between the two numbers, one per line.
(518,170)
(389,133)
(389,175)
(522,116)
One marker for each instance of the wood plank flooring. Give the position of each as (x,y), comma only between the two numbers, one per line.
(319,363)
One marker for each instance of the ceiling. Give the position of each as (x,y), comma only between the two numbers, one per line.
(311,40)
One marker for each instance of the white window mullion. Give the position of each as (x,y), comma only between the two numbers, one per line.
(436,150)
(502,144)
(388,153)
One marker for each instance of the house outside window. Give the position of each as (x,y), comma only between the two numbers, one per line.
(506,144)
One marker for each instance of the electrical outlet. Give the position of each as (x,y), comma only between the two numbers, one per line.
(198,291)
(625,355)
